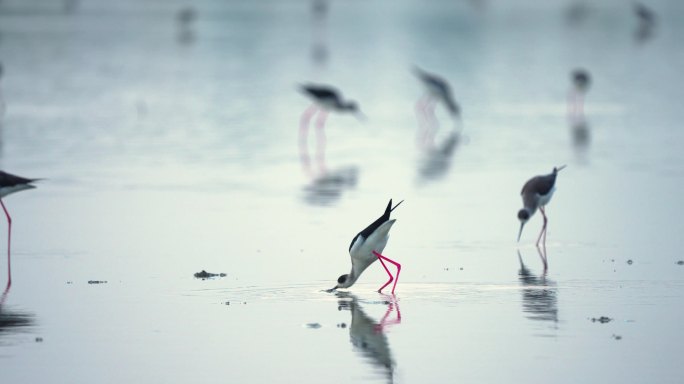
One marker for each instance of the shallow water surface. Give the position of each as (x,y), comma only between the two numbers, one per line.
(172,148)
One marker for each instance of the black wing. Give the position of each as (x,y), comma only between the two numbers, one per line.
(10,180)
(320,91)
(374,225)
(541,185)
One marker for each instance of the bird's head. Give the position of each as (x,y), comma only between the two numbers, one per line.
(344,281)
(523,216)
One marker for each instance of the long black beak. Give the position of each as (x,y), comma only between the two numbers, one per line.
(522,224)
(331,290)
(558,169)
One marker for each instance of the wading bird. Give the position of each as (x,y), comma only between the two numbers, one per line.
(536,193)
(366,247)
(9,184)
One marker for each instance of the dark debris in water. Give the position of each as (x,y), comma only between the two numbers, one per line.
(617,337)
(97,282)
(342,325)
(602,319)
(313,325)
(208,275)
(680,262)
(630,262)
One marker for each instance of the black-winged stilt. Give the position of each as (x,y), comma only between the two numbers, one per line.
(9,184)
(581,80)
(325,99)
(366,247)
(536,193)
(437,91)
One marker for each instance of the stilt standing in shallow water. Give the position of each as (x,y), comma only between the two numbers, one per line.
(366,247)
(536,193)
(9,184)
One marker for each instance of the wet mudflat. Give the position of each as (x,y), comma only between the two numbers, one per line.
(170,147)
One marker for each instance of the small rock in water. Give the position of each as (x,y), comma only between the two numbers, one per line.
(207,275)
(97,282)
(680,262)
(617,337)
(629,261)
(39,339)
(313,325)
(602,319)
(342,325)
(227,302)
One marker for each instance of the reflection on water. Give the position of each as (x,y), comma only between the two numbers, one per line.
(581,137)
(539,294)
(437,160)
(327,188)
(185,20)
(368,336)
(12,321)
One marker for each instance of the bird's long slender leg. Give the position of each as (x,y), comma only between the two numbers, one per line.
(433,124)
(9,239)
(542,256)
(304,138)
(543,231)
(422,121)
(396,278)
(320,139)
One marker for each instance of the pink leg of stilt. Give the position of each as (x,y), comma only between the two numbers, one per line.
(396,278)
(9,239)
(304,138)
(433,124)
(543,231)
(542,255)
(320,140)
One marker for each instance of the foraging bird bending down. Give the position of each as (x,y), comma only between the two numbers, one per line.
(536,193)
(366,247)
(439,90)
(9,184)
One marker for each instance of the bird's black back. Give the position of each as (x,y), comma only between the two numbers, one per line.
(320,92)
(540,184)
(10,180)
(374,225)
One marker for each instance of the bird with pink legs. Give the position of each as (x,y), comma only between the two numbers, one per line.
(536,193)
(326,99)
(9,184)
(366,247)
(437,90)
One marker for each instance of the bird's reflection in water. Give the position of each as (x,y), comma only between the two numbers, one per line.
(539,294)
(436,161)
(185,20)
(368,336)
(581,136)
(327,187)
(12,321)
